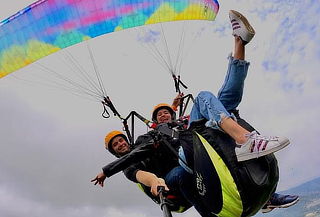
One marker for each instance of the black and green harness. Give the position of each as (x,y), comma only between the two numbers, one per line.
(224,186)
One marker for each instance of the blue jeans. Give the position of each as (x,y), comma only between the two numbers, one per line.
(182,182)
(230,94)
(207,106)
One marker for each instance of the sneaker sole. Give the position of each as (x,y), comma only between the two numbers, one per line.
(245,22)
(284,205)
(249,156)
(267,210)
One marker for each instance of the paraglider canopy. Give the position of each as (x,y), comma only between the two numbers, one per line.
(48,26)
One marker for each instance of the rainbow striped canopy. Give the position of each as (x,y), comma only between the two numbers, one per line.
(47,26)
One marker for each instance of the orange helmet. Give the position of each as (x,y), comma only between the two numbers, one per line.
(162,106)
(110,136)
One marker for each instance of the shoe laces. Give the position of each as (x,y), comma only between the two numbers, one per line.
(254,135)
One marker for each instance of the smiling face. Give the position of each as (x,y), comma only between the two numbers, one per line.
(120,146)
(164,116)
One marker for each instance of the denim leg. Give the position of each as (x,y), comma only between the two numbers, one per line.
(179,180)
(183,161)
(231,91)
(207,106)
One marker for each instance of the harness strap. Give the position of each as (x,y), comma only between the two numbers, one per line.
(131,115)
(183,106)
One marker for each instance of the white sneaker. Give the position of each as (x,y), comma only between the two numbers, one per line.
(241,26)
(257,146)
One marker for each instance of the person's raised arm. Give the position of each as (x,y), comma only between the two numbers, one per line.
(176,102)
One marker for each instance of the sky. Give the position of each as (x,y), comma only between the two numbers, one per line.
(52,141)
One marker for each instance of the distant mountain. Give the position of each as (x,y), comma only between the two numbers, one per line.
(308,205)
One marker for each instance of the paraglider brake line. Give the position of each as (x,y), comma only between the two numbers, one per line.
(105,112)
(178,82)
(107,102)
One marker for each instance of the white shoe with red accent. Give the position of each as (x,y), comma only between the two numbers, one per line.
(257,146)
(241,26)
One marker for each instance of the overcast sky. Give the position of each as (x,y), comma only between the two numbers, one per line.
(52,141)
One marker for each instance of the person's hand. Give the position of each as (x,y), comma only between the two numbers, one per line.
(158,182)
(99,179)
(177,101)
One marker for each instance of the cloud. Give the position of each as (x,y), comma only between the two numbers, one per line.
(12,204)
(296,44)
(148,36)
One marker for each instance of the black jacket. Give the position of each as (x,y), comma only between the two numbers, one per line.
(159,160)
(147,156)
(256,179)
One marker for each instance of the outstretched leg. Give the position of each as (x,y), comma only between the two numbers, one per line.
(230,94)
(251,145)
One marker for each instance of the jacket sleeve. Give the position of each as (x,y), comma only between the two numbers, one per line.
(131,171)
(139,153)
